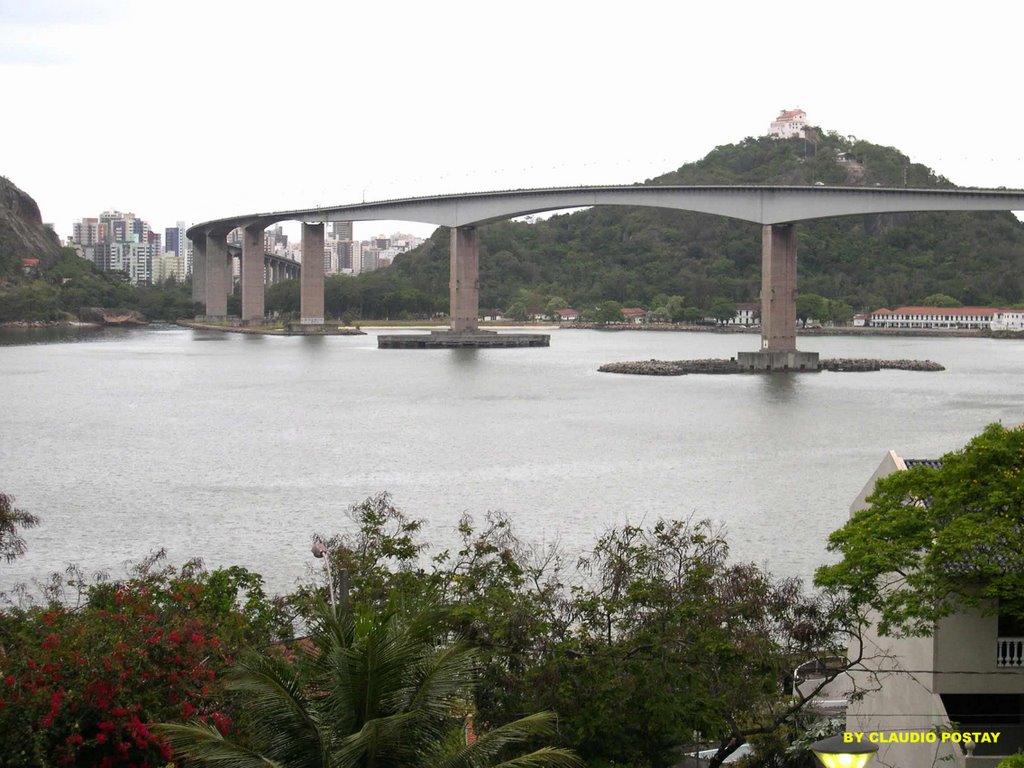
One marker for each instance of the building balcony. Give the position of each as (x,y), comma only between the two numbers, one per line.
(1010,652)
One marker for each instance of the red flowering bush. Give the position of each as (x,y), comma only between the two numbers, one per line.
(79,687)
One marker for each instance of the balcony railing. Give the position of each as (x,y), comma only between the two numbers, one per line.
(1010,652)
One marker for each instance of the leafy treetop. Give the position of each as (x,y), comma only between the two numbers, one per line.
(935,540)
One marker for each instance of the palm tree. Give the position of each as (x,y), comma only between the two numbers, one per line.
(370,692)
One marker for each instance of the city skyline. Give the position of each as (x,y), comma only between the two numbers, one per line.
(409,100)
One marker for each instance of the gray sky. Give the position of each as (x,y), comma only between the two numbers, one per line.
(195,110)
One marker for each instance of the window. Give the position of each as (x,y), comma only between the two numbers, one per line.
(1010,626)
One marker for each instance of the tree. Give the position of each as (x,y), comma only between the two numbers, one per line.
(933,540)
(609,312)
(811,306)
(12,545)
(839,312)
(373,690)
(668,638)
(940,300)
(675,308)
(517,311)
(723,310)
(554,305)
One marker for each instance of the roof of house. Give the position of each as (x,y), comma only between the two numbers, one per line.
(749,307)
(789,114)
(27,262)
(634,312)
(930,463)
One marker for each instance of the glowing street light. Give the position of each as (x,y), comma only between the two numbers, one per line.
(837,752)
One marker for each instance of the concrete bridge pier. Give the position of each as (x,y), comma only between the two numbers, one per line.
(464,280)
(252,275)
(199,271)
(778,306)
(311,293)
(218,276)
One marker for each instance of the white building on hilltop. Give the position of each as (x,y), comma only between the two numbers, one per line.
(789,124)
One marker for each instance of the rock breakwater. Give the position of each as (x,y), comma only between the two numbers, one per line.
(721,366)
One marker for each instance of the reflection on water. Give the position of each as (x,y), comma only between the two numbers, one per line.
(51,334)
(778,387)
(466,357)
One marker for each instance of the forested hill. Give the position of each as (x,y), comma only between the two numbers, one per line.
(632,255)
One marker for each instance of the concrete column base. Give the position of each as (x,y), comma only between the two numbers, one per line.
(778,361)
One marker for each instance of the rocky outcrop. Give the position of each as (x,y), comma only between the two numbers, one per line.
(719,365)
(846,364)
(118,317)
(22,234)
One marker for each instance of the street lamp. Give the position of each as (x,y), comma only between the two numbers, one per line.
(837,752)
(320,552)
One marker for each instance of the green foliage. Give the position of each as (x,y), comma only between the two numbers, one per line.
(12,522)
(73,283)
(811,306)
(723,310)
(668,638)
(373,689)
(940,300)
(934,540)
(660,636)
(609,312)
(839,312)
(555,303)
(1013,761)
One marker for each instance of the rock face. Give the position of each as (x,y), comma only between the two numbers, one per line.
(111,317)
(22,234)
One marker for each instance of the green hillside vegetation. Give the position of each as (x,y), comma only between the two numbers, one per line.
(60,291)
(636,255)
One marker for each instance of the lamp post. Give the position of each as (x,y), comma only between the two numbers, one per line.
(836,752)
(320,552)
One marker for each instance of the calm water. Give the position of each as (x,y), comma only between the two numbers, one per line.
(237,448)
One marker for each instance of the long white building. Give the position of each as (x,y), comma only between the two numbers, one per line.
(976,318)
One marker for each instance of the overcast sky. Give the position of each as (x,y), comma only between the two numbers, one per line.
(196,110)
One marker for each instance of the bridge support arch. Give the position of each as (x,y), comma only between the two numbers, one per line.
(464,280)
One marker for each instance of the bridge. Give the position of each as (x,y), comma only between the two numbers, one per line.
(776,209)
(276,267)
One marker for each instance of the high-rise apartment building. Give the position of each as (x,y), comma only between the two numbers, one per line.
(119,242)
(340,230)
(176,242)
